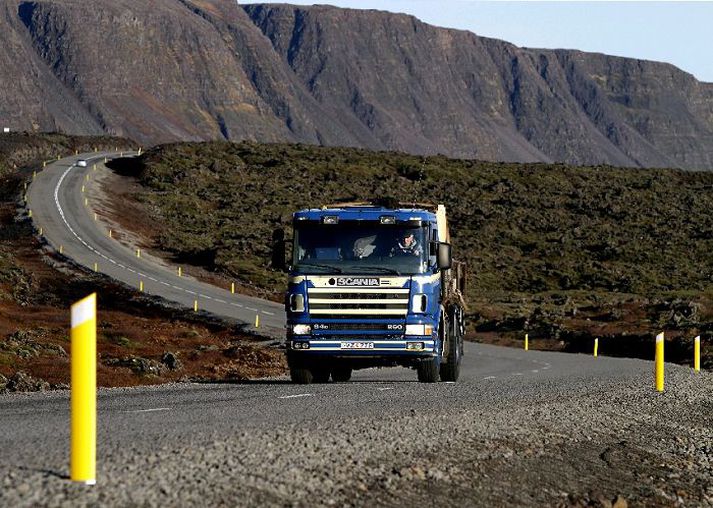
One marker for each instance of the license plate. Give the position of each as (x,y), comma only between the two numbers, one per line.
(357,345)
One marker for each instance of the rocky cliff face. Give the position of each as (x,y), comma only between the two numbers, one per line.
(171,70)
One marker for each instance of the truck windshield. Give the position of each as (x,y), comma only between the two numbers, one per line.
(360,248)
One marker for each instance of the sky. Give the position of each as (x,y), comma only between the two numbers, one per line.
(680,33)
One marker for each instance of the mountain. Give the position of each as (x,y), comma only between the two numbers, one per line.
(171,70)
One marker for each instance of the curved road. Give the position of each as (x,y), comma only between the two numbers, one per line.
(518,429)
(57,200)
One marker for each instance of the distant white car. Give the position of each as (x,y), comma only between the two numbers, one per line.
(82,163)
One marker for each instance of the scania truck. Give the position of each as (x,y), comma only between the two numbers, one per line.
(372,286)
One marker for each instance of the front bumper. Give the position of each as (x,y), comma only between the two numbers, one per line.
(363,346)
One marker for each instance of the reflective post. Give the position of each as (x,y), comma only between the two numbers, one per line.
(83,392)
(659,363)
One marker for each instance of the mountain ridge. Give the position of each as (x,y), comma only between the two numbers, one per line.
(180,70)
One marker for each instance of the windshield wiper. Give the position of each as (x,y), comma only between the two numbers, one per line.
(382,268)
(317,265)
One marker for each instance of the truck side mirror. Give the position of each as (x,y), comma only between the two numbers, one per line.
(278,250)
(443,256)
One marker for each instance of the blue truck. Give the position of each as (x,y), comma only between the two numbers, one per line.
(371,286)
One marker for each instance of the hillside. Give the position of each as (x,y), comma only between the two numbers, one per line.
(564,253)
(173,70)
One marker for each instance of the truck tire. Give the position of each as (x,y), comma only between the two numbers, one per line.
(450,370)
(300,375)
(341,374)
(428,370)
(320,374)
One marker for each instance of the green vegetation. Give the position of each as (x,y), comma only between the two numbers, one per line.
(521,228)
(561,251)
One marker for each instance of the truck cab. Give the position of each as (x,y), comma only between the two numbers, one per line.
(370,286)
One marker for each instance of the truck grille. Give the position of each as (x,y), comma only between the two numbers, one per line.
(358,302)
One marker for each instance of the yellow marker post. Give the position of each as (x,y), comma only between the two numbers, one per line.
(96,267)
(40,231)
(58,157)
(659,363)
(82,188)
(83,393)
(86,177)
(94,167)
(95,216)
(86,201)
(180,272)
(257,320)
(44,164)
(596,347)
(232,288)
(34,175)
(106,160)
(61,248)
(697,354)
(138,253)
(139,150)
(195,305)
(527,342)
(29,213)
(25,185)
(110,233)
(141,286)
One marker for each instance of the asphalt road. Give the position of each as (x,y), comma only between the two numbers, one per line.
(518,429)
(57,199)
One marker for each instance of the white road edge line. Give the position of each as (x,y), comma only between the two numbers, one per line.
(296,396)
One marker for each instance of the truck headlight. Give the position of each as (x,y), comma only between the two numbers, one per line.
(301,329)
(419,329)
(297,303)
(419,303)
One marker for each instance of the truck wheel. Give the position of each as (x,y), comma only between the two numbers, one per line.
(320,374)
(301,375)
(341,374)
(450,370)
(428,370)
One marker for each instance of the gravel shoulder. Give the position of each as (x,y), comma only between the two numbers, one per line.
(578,434)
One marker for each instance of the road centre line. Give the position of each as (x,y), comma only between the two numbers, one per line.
(152,410)
(296,396)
